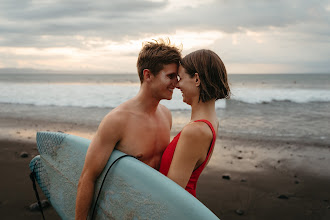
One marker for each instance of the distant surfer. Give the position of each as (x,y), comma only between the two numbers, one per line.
(203,80)
(140,126)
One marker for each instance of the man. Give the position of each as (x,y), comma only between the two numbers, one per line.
(140,126)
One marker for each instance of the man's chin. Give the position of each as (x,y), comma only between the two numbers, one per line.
(168,98)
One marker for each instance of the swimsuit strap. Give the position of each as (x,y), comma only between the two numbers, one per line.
(212,144)
(213,132)
(209,124)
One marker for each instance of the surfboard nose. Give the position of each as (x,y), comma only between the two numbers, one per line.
(33,162)
(48,142)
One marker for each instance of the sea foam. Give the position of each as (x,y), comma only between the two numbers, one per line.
(111,95)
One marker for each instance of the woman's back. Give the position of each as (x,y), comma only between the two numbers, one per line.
(169,152)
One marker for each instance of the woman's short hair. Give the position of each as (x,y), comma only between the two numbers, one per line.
(212,73)
(154,55)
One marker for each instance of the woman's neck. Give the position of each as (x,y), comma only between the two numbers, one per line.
(203,110)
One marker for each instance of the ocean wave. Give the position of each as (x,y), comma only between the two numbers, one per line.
(262,95)
(112,95)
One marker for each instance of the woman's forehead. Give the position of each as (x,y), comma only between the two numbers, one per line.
(181,70)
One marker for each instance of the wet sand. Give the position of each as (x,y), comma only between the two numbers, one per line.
(16,187)
(286,180)
(259,178)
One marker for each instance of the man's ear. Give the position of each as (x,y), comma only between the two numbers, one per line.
(197,80)
(147,75)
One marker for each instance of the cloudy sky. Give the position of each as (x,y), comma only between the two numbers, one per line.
(251,36)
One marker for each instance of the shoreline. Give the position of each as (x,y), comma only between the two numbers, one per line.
(260,168)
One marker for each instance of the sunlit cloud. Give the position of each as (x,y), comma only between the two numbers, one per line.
(103,55)
(241,37)
(189,39)
(174,4)
(327,7)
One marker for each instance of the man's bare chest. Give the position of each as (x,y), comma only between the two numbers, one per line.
(145,140)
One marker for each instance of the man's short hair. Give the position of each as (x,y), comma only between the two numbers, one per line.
(154,55)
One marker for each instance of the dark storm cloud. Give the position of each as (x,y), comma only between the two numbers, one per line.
(110,19)
(22,23)
(230,16)
(57,9)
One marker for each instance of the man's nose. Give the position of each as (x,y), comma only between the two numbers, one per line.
(177,85)
(175,82)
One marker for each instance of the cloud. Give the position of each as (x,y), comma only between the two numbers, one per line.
(110,19)
(108,28)
(118,19)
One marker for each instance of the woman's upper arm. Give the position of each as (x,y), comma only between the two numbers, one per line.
(189,150)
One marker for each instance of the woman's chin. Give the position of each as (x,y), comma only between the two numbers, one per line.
(185,101)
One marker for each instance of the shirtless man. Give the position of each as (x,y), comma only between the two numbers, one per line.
(140,126)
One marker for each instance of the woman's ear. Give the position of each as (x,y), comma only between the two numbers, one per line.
(147,75)
(197,80)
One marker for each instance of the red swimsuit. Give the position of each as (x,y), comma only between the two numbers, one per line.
(168,156)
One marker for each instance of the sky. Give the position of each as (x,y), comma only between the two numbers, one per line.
(250,36)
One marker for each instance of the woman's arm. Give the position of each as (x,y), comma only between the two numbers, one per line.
(190,152)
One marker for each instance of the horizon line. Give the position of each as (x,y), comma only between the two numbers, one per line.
(49,71)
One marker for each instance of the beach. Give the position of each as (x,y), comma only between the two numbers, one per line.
(64,65)
(259,176)
(271,159)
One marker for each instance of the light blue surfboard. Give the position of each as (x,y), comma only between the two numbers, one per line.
(132,190)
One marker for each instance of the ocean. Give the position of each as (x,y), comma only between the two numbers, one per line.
(109,90)
(285,106)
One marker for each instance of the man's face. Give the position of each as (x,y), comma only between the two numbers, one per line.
(165,82)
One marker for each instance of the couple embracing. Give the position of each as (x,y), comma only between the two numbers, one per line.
(141,126)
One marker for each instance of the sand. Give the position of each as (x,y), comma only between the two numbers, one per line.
(247,178)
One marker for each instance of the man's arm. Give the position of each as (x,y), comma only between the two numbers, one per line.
(98,153)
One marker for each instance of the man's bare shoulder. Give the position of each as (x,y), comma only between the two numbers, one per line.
(164,110)
(114,117)
(119,114)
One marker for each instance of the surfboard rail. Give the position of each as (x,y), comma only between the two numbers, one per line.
(131,189)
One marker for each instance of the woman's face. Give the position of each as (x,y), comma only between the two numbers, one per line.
(188,86)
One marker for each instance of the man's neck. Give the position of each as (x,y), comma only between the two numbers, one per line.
(145,102)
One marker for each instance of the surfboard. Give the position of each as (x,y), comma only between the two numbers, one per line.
(132,189)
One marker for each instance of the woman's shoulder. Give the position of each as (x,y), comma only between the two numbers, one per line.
(197,130)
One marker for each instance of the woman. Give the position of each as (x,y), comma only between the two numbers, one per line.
(203,80)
